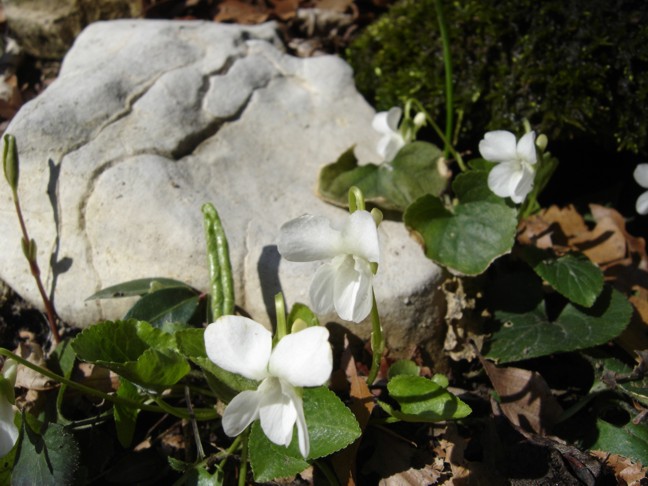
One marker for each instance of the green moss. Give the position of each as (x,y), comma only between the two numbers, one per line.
(573,69)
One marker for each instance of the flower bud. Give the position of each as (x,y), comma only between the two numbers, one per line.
(419,119)
(10,161)
(541,142)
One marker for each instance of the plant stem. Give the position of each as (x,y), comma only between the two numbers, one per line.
(377,342)
(244,453)
(447,60)
(220,266)
(52,317)
(282,324)
(200,414)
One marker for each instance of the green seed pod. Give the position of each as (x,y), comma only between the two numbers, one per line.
(10,161)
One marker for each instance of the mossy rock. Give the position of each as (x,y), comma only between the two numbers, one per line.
(574,69)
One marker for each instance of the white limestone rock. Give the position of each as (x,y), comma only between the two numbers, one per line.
(147,121)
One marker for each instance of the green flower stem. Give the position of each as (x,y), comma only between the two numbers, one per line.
(442,136)
(220,266)
(244,453)
(377,341)
(356,199)
(282,324)
(447,60)
(200,414)
(209,460)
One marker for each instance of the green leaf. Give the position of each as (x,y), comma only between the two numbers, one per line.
(135,350)
(622,373)
(468,236)
(49,456)
(225,384)
(137,287)
(168,305)
(403,367)
(417,169)
(126,417)
(424,400)
(331,427)
(572,275)
(629,441)
(533,334)
(303,312)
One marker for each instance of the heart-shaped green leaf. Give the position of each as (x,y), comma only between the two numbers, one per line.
(417,169)
(629,441)
(424,400)
(573,275)
(48,455)
(468,236)
(135,350)
(331,427)
(533,334)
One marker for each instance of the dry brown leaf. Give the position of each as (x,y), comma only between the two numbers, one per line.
(525,398)
(362,404)
(461,330)
(628,472)
(335,5)
(552,227)
(26,377)
(241,12)
(285,9)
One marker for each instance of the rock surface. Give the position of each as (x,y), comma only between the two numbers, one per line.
(147,121)
(47,28)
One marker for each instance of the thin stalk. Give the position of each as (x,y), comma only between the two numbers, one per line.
(282,324)
(194,425)
(447,61)
(28,244)
(442,136)
(377,341)
(244,453)
(356,199)
(201,414)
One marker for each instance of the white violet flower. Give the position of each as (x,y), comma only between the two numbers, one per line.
(345,284)
(641,176)
(8,429)
(386,122)
(513,175)
(244,347)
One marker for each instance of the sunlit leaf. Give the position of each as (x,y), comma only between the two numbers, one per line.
(573,275)
(331,427)
(137,287)
(168,305)
(630,440)
(465,237)
(416,170)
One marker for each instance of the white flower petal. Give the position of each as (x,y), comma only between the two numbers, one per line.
(239,345)
(524,185)
(389,145)
(302,428)
(8,430)
(387,121)
(353,290)
(360,236)
(526,148)
(303,358)
(642,203)
(498,146)
(321,291)
(308,238)
(277,412)
(503,178)
(241,412)
(641,175)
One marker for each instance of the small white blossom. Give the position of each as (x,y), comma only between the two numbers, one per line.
(8,429)
(345,284)
(641,176)
(513,175)
(386,123)
(244,347)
